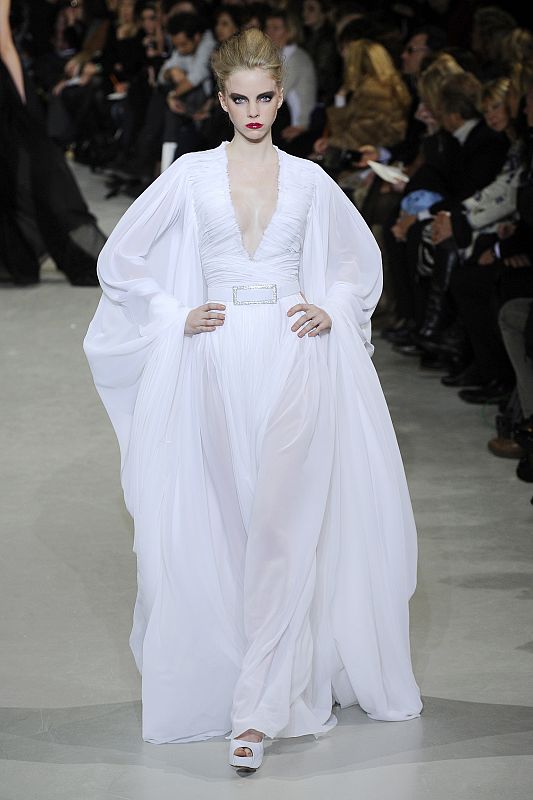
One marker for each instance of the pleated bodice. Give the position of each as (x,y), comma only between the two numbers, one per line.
(223,255)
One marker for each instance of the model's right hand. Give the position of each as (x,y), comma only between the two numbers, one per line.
(204,318)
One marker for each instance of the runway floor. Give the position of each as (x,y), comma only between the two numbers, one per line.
(70,711)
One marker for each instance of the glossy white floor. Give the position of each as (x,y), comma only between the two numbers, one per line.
(69,692)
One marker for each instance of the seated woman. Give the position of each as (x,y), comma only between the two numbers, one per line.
(372,104)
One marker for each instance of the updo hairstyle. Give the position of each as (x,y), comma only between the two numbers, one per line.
(247,50)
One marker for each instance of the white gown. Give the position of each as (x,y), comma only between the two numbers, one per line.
(275,541)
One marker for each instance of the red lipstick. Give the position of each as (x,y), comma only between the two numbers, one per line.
(255,125)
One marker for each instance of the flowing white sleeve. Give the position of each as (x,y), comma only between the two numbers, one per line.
(127,278)
(339,244)
(150,277)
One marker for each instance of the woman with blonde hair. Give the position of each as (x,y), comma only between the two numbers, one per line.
(428,87)
(372,104)
(274,534)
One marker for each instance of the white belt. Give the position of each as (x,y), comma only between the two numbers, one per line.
(250,293)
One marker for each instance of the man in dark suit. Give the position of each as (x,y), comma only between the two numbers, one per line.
(477,152)
(474,156)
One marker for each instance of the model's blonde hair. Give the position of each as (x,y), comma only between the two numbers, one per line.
(250,49)
(363,59)
(431,80)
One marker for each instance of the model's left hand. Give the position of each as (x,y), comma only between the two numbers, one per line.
(313,320)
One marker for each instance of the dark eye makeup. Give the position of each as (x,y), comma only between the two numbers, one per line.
(241,98)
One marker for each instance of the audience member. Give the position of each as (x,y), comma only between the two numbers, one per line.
(299,81)
(371,106)
(474,156)
(491,27)
(470,229)
(403,235)
(187,76)
(319,41)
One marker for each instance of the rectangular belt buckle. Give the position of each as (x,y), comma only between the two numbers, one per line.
(273,299)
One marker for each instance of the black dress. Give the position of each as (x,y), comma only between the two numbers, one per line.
(42,210)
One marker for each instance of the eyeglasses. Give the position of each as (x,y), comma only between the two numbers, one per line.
(410,49)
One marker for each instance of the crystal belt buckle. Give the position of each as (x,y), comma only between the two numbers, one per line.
(272,286)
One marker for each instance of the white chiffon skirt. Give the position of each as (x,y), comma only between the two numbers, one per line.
(248,614)
(267,429)
(236,636)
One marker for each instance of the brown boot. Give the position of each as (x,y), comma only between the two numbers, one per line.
(505,448)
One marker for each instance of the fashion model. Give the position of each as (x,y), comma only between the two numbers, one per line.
(274,535)
(42,210)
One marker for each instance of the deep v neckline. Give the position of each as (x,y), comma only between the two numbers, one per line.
(238,230)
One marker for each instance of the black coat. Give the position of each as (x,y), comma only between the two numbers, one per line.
(473,165)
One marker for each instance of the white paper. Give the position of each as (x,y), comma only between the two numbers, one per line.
(389,174)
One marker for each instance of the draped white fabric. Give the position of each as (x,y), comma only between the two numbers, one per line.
(275,541)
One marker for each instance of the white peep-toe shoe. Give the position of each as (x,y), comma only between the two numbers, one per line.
(249,763)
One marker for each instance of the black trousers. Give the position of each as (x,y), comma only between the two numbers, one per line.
(479,292)
(409,288)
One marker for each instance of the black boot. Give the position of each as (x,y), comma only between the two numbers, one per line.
(452,341)
(524,470)
(439,312)
(470,376)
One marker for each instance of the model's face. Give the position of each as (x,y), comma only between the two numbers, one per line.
(496,115)
(414,53)
(276,29)
(225,27)
(252,99)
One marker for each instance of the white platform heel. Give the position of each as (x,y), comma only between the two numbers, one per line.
(248,763)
